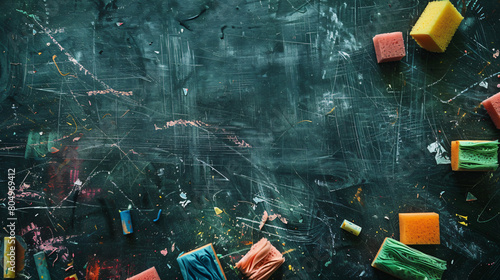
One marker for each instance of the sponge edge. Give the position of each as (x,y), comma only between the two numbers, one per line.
(492,105)
(389,47)
(476,155)
(149,274)
(404,262)
(436,26)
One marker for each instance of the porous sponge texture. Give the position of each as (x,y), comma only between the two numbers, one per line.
(389,47)
(492,105)
(404,262)
(149,274)
(474,155)
(436,26)
(419,228)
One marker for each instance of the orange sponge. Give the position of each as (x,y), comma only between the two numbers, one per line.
(419,228)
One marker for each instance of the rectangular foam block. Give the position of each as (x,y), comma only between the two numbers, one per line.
(389,47)
(9,257)
(436,26)
(419,228)
(41,266)
(201,263)
(72,277)
(149,274)
(474,155)
(492,105)
(261,261)
(406,263)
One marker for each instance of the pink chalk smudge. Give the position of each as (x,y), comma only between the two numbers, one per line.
(195,123)
(115,92)
(173,247)
(274,216)
(23,193)
(53,244)
(164,252)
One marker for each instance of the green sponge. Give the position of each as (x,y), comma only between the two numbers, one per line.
(405,262)
(474,155)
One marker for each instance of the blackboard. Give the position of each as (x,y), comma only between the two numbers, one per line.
(247,106)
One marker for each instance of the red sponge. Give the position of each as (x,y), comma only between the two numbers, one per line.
(389,47)
(149,274)
(492,105)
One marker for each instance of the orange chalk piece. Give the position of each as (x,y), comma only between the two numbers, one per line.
(419,228)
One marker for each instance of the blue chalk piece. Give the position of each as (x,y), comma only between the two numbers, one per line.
(41,266)
(157,218)
(126,222)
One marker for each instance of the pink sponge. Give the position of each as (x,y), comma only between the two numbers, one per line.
(389,47)
(149,274)
(492,105)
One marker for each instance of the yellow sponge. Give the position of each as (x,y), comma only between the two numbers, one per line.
(436,26)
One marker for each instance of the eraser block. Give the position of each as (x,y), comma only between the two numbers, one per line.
(149,274)
(41,266)
(474,155)
(9,257)
(404,262)
(72,277)
(389,47)
(492,105)
(201,263)
(436,26)
(261,261)
(419,228)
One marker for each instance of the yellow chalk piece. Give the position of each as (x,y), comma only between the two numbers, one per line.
(463,223)
(462,217)
(9,257)
(351,227)
(217,210)
(436,26)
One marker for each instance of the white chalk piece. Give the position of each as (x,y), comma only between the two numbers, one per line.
(350,227)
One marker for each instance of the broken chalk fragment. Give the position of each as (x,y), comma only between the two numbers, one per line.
(470,197)
(217,210)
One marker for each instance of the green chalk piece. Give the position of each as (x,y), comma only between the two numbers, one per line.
(470,197)
(404,262)
(478,155)
(41,266)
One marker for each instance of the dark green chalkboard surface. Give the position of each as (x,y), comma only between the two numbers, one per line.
(247,106)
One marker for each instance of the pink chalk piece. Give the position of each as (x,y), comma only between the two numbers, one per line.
(264,220)
(149,274)
(492,105)
(389,47)
(261,261)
